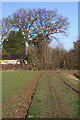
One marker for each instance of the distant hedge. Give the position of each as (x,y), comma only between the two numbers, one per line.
(17,67)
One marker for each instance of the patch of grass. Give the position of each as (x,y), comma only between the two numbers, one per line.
(13,83)
(40,108)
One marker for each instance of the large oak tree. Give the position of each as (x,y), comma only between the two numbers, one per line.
(35,23)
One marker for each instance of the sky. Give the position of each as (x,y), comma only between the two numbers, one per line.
(67,9)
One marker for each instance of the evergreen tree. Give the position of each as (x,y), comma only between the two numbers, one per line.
(14,44)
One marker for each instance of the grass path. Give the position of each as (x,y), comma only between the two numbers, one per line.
(41,105)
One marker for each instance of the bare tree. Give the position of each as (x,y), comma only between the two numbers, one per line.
(35,22)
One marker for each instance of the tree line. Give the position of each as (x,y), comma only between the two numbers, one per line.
(37,28)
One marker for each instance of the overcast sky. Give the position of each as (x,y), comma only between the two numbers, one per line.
(67,9)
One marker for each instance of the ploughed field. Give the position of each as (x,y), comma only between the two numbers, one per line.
(40,94)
